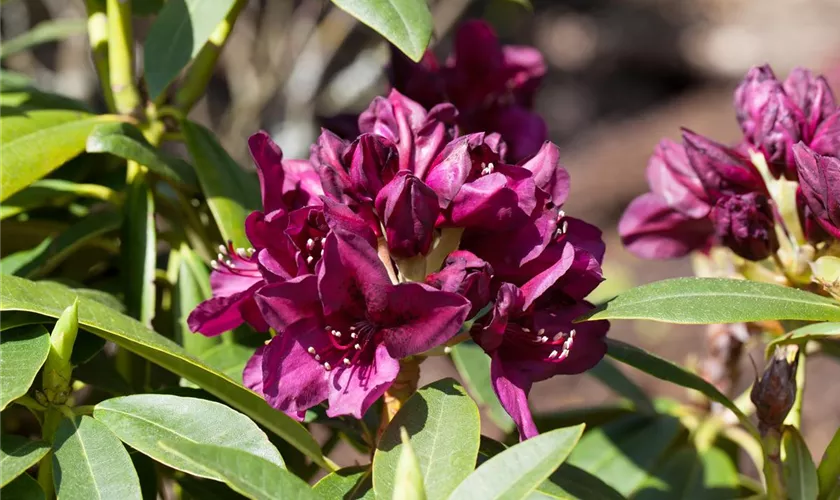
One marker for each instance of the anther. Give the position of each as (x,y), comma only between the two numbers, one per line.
(357,347)
(222,249)
(221,257)
(241,252)
(352,328)
(214,264)
(346,362)
(572,333)
(310,259)
(311,350)
(327,367)
(230,263)
(541,332)
(526,330)
(317,357)
(353,336)
(543,339)
(552,355)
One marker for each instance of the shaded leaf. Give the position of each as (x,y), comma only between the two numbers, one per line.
(101,373)
(29,99)
(23,351)
(180,30)
(570,482)
(229,359)
(46,31)
(24,487)
(12,80)
(138,251)
(692,475)
(817,331)
(90,462)
(473,365)
(22,295)
(610,375)
(349,483)
(405,23)
(800,473)
(17,454)
(253,476)
(192,288)
(12,264)
(48,192)
(443,423)
(592,416)
(716,300)
(829,470)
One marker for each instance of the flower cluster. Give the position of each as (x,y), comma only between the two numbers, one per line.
(382,247)
(704,193)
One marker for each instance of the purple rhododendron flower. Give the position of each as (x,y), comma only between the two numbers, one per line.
(745,224)
(819,183)
(492,86)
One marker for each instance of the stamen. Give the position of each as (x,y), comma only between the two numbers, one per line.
(214,264)
(317,357)
(552,355)
(357,346)
(310,259)
(241,252)
(327,367)
(310,244)
(572,333)
(557,336)
(221,257)
(352,328)
(311,350)
(543,339)
(328,328)
(346,361)
(222,249)
(230,263)
(336,333)
(541,332)
(526,330)
(353,336)
(567,345)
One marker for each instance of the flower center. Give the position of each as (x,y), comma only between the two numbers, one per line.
(238,261)
(346,344)
(556,347)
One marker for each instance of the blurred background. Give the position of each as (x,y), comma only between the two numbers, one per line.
(621,75)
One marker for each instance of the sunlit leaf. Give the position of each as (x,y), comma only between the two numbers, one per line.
(817,331)
(473,365)
(689,474)
(405,23)
(23,351)
(829,470)
(350,483)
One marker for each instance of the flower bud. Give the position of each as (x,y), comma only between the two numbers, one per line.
(408,209)
(745,224)
(819,179)
(465,274)
(721,170)
(774,394)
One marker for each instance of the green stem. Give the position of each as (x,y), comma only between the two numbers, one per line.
(29,402)
(97,24)
(794,418)
(52,418)
(773,471)
(121,57)
(201,70)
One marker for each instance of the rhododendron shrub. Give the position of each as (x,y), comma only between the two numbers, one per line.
(177,326)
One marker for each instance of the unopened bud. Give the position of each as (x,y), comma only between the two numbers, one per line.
(827,273)
(774,394)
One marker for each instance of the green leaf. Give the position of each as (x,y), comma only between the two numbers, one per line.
(68,241)
(611,376)
(181,28)
(829,470)
(46,31)
(520,469)
(192,288)
(800,473)
(90,462)
(250,475)
(17,454)
(143,421)
(227,187)
(665,370)
(101,373)
(22,295)
(16,319)
(23,351)
(444,426)
(592,416)
(570,482)
(37,142)
(692,475)
(350,483)
(24,487)
(716,300)
(624,452)
(126,141)
(473,365)
(146,473)
(405,23)
(12,264)
(138,251)
(29,99)
(12,80)
(49,192)
(408,480)
(817,331)
(229,359)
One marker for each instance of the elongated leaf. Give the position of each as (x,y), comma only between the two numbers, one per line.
(12,80)
(47,31)
(229,359)
(193,287)
(408,480)
(16,319)
(12,264)
(350,483)
(37,142)
(692,475)
(611,376)
(473,365)
(229,192)
(68,241)
(29,99)
(405,23)
(24,487)
(592,416)
(665,370)
(829,470)
(126,141)
(22,295)
(138,248)
(570,482)
(18,454)
(23,351)
(48,192)
(817,331)
(444,426)
(143,421)
(623,453)
(180,30)
(520,469)
(253,476)
(90,462)
(800,472)
(716,300)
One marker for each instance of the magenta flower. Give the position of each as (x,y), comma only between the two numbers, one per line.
(493,86)
(467,275)
(408,209)
(341,334)
(745,224)
(819,182)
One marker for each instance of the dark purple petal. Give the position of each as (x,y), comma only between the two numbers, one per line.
(721,170)
(513,387)
(225,283)
(252,375)
(419,81)
(353,389)
(302,185)
(327,157)
(537,285)
(489,334)
(373,161)
(548,174)
(282,304)
(269,160)
(508,251)
(819,179)
(523,130)
(811,227)
(352,278)
(652,230)
(419,318)
(585,349)
(745,224)
(812,95)
(827,137)
(749,96)
(467,275)
(408,209)
(502,199)
(219,314)
(671,176)
(526,67)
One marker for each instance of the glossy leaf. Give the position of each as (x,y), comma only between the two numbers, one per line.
(473,366)
(623,453)
(405,23)
(37,142)
(716,300)
(350,483)
(68,241)
(610,375)
(817,331)
(692,475)
(23,351)
(443,423)
(408,480)
(24,487)
(670,372)
(126,141)
(142,421)
(227,187)
(829,470)
(250,475)
(800,473)
(90,462)
(229,359)
(180,30)
(192,288)
(520,469)
(17,454)
(46,31)
(22,295)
